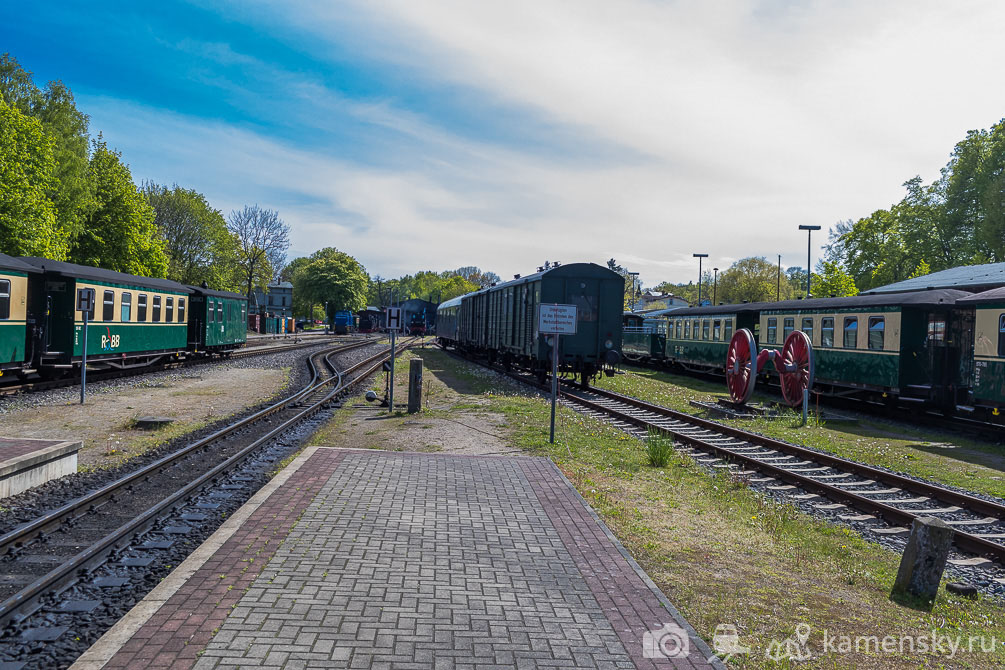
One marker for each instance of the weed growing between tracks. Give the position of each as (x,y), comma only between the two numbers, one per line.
(721,552)
(938,456)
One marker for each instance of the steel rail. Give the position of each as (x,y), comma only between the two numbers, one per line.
(966,541)
(20,605)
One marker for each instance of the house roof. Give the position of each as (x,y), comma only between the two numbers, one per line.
(966,277)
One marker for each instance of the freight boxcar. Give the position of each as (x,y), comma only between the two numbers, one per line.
(501,322)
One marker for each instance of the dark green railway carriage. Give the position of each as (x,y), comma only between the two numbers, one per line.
(988,379)
(502,321)
(17,320)
(218,322)
(644,339)
(906,345)
(698,337)
(136,320)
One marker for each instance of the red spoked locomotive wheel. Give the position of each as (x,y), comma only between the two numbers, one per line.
(795,367)
(740,372)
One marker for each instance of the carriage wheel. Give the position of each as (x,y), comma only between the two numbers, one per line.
(795,367)
(740,372)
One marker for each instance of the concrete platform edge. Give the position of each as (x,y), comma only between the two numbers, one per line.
(109,644)
(714,660)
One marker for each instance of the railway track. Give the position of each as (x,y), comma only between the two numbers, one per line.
(807,474)
(57,551)
(96,376)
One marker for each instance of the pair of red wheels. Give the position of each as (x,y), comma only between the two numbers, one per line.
(794,365)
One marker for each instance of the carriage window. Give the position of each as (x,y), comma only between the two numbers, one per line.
(4,299)
(219,311)
(694,330)
(772,330)
(157,308)
(827,332)
(717,330)
(808,327)
(850,332)
(788,325)
(169,310)
(244,316)
(1001,335)
(212,310)
(687,330)
(877,328)
(181,310)
(127,307)
(704,329)
(108,306)
(729,330)
(936,329)
(141,307)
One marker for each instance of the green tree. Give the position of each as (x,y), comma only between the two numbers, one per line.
(27,216)
(199,246)
(120,233)
(752,279)
(332,277)
(832,282)
(71,190)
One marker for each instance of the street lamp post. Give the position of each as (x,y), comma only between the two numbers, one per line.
(699,257)
(633,275)
(809,233)
(715,284)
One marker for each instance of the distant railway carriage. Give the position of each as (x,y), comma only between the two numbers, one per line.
(988,349)
(136,320)
(698,337)
(643,339)
(218,321)
(417,324)
(501,322)
(17,320)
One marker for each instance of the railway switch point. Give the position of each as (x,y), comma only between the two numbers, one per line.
(924,558)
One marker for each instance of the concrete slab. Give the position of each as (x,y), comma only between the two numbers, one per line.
(26,463)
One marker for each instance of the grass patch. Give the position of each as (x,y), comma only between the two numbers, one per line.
(659,448)
(938,456)
(726,554)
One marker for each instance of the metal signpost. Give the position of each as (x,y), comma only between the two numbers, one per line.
(85,304)
(394,323)
(556,320)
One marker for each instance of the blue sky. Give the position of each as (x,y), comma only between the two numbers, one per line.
(445,133)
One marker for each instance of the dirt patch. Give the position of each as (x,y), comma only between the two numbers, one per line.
(370,427)
(105,423)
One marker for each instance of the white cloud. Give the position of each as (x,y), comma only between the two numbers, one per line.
(743,121)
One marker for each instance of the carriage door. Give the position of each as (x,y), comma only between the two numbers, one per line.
(583,294)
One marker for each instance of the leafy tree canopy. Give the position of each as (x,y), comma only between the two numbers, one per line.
(334,277)
(27,216)
(753,279)
(120,233)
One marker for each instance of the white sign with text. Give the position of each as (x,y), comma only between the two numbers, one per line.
(557,319)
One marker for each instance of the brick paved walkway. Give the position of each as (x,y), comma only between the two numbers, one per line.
(403,561)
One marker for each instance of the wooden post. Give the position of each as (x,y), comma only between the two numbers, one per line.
(415,385)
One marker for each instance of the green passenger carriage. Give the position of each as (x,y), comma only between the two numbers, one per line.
(698,337)
(988,392)
(136,320)
(17,320)
(219,321)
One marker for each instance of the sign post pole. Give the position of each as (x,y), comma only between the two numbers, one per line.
(554,383)
(556,320)
(393,323)
(85,303)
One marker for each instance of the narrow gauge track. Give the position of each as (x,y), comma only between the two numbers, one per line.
(97,376)
(978,524)
(109,519)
